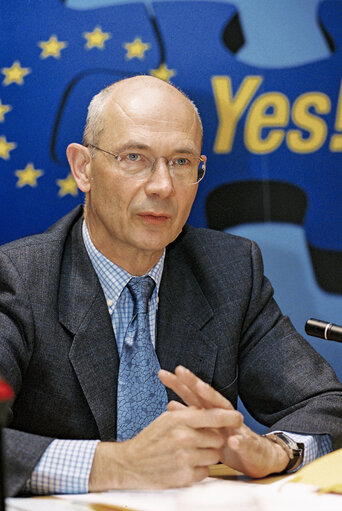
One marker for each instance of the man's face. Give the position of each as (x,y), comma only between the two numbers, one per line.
(126,215)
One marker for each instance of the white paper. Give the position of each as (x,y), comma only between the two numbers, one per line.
(209,495)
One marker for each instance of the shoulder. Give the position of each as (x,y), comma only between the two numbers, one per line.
(211,243)
(55,234)
(224,266)
(40,250)
(211,254)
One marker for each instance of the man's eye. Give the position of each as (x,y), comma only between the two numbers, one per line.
(133,157)
(181,161)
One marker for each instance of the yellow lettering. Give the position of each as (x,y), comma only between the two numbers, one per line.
(269,110)
(230,109)
(336,140)
(304,119)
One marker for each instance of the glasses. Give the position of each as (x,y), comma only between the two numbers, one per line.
(186,169)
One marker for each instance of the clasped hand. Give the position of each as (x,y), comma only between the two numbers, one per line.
(178,447)
(243,449)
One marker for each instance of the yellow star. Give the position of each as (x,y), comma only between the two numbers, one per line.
(96,38)
(136,48)
(52,47)
(15,74)
(163,72)
(6,147)
(3,110)
(67,186)
(28,176)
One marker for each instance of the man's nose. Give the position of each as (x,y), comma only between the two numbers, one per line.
(160,181)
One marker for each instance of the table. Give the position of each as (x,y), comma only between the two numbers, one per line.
(224,490)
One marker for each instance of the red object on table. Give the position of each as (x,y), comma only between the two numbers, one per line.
(6,392)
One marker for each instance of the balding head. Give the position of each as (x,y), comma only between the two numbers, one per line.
(142,177)
(145,94)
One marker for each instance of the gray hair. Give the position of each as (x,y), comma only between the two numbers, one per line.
(94,123)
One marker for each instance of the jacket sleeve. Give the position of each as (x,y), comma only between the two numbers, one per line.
(22,453)
(283,381)
(22,450)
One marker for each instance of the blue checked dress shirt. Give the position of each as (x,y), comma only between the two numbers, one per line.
(66,464)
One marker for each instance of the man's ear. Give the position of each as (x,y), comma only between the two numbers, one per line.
(79,161)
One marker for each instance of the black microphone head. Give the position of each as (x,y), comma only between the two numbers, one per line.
(324,330)
(315,327)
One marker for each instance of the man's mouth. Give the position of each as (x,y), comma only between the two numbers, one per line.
(154,218)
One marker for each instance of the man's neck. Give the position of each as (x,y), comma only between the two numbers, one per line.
(135,261)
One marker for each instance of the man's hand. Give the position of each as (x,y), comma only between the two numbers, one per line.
(174,450)
(243,450)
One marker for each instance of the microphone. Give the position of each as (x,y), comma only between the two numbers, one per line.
(6,396)
(324,330)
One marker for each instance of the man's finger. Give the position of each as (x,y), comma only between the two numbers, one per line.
(174,383)
(213,418)
(175,405)
(209,396)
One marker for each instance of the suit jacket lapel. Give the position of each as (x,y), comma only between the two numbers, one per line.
(93,354)
(182,314)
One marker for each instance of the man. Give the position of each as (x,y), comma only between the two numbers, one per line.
(69,316)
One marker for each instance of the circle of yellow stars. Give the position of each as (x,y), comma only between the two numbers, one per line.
(53,47)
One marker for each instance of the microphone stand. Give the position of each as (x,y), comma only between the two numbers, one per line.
(6,396)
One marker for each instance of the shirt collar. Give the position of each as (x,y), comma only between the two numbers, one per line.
(112,277)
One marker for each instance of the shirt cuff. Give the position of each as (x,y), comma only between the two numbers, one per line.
(315,446)
(64,468)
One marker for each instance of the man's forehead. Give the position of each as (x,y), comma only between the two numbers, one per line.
(156,112)
(143,83)
(149,100)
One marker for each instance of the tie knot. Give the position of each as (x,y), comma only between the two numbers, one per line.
(141,289)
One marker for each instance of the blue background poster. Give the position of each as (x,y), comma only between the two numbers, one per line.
(266,76)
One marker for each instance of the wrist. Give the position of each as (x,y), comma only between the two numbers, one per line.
(294,451)
(104,474)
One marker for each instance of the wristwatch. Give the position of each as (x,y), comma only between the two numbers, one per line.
(294,450)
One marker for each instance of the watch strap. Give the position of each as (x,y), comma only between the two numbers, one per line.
(294,450)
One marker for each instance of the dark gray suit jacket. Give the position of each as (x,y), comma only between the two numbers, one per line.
(216,316)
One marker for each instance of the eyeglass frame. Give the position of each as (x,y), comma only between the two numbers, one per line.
(116,156)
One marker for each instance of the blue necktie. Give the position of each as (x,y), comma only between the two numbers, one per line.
(141,395)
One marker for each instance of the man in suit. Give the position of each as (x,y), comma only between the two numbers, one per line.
(66,307)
